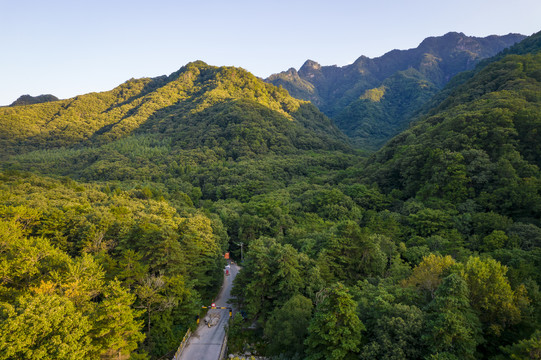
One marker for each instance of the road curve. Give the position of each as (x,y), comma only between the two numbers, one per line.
(206,343)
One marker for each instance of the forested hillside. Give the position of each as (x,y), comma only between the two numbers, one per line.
(438,258)
(89,271)
(197,106)
(480,143)
(372,100)
(116,208)
(151,158)
(219,131)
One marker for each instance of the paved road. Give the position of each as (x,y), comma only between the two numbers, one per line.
(206,343)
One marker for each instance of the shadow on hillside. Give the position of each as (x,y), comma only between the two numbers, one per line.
(238,127)
(151,86)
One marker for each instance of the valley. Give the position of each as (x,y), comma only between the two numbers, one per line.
(390,209)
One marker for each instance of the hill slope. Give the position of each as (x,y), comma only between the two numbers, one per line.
(184,167)
(404,79)
(213,99)
(218,130)
(481,143)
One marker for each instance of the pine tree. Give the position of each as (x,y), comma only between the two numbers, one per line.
(335,330)
(452,325)
(118,330)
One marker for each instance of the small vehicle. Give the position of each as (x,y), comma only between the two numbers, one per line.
(212,319)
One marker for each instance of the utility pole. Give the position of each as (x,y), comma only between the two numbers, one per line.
(241,251)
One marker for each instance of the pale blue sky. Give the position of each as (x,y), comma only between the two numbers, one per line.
(67,48)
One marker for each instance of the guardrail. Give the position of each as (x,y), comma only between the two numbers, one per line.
(182,344)
(223,349)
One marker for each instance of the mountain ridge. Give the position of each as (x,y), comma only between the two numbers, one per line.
(127,108)
(343,256)
(30,100)
(481,139)
(435,61)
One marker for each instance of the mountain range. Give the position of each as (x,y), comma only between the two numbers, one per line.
(480,138)
(116,209)
(372,100)
(199,105)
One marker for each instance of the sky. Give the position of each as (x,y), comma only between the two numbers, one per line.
(72,47)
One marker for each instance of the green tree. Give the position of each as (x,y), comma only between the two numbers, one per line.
(235,336)
(131,268)
(428,222)
(494,241)
(429,273)
(491,294)
(272,274)
(527,349)
(335,330)
(117,329)
(393,326)
(26,261)
(351,254)
(287,326)
(396,334)
(153,298)
(452,326)
(44,327)
(203,260)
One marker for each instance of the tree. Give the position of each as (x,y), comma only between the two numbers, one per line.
(428,274)
(151,293)
(131,268)
(527,349)
(494,241)
(82,281)
(396,334)
(44,327)
(25,261)
(272,274)
(452,326)
(529,235)
(335,330)
(351,254)
(491,294)
(428,222)
(235,338)
(202,253)
(116,325)
(287,326)
(393,327)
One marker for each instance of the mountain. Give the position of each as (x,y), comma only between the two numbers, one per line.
(116,209)
(402,79)
(30,100)
(206,127)
(480,143)
(108,188)
(199,105)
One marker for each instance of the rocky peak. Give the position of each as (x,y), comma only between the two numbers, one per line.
(311,64)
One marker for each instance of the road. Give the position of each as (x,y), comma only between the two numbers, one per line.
(206,343)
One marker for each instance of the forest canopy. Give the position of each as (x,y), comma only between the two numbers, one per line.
(116,209)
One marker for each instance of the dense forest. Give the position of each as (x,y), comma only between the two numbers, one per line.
(116,209)
(372,100)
